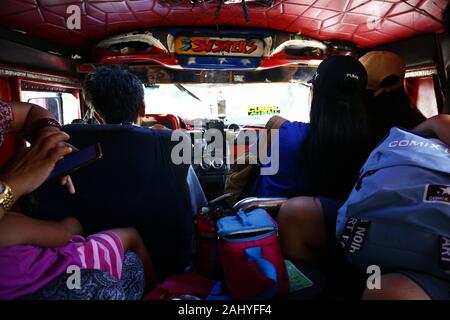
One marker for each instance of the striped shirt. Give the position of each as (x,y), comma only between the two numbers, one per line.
(27,268)
(102,251)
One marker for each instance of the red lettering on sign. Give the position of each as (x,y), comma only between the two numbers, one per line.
(250,47)
(235,48)
(199,45)
(219,46)
(223,46)
(227,46)
(210,45)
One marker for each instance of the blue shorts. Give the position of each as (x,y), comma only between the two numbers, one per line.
(339,272)
(437,289)
(330,209)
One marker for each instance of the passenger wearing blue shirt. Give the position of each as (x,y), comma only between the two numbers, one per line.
(319,162)
(323,157)
(290,180)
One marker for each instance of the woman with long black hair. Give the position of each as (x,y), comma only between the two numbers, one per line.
(332,147)
(319,162)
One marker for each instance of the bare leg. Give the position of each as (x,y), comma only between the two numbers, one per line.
(131,240)
(302,229)
(395,286)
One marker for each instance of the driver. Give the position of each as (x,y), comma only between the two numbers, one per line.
(117,96)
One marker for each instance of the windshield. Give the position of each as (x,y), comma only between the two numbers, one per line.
(243,104)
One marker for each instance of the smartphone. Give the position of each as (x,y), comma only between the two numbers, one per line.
(74,161)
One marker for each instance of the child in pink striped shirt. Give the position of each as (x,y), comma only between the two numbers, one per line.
(34,252)
(103,251)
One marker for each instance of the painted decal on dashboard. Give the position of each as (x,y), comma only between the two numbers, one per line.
(219,46)
(264,110)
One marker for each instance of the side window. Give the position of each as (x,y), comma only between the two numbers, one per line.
(422,87)
(64,106)
(52,104)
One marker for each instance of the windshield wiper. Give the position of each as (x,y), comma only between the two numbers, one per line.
(183,89)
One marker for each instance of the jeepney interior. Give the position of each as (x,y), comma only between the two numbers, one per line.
(228,65)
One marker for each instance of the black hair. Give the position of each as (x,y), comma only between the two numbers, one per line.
(391,109)
(337,144)
(114,93)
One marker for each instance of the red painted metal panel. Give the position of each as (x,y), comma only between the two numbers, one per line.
(170,119)
(365,22)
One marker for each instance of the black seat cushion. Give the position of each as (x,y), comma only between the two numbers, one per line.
(134,184)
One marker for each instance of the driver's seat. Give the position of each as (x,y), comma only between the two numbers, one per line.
(170,121)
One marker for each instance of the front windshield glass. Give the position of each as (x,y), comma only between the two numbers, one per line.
(250,104)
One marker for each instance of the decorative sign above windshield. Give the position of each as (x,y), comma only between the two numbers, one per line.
(211,49)
(215,46)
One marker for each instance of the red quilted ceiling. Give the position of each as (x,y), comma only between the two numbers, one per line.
(367,23)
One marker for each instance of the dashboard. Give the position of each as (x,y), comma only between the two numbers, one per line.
(212,168)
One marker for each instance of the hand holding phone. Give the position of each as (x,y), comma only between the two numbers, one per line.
(75,161)
(30,167)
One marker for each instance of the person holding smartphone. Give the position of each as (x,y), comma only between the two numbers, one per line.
(30,166)
(44,250)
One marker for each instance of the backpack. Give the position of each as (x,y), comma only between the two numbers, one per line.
(398,214)
(251,256)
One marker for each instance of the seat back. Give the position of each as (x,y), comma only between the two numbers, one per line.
(134,184)
(169,120)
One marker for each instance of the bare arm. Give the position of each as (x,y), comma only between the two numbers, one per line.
(131,240)
(18,229)
(26,114)
(274,122)
(438,125)
(72,225)
(31,167)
